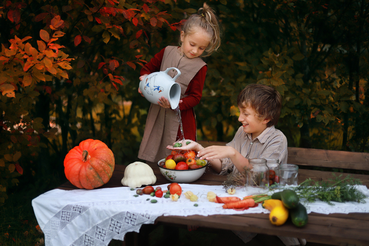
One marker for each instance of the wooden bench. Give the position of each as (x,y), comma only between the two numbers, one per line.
(319,164)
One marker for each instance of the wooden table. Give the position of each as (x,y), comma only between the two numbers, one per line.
(333,229)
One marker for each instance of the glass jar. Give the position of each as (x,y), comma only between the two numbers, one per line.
(258,175)
(288,174)
(273,165)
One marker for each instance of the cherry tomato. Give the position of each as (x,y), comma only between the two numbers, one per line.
(159,193)
(148,189)
(175,188)
(271,174)
(276,179)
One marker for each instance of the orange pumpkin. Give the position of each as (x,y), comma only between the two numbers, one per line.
(89,165)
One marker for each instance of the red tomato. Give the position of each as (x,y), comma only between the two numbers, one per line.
(169,157)
(194,166)
(159,193)
(174,152)
(181,166)
(190,161)
(271,174)
(175,188)
(148,189)
(190,154)
(276,179)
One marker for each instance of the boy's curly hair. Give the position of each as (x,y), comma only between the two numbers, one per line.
(265,100)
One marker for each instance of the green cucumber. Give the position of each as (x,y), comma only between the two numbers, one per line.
(289,199)
(277,195)
(299,215)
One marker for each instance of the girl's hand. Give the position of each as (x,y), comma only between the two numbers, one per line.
(141,78)
(190,146)
(139,91)
(216,152)
(163,102)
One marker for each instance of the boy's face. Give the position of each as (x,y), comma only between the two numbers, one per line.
(251,122)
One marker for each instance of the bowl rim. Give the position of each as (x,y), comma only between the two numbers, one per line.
(207,163)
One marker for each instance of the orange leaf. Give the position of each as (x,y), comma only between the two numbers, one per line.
(153,21)
(19,168)
(11,168)
(131,64)
(44,35)
(77,40)
(135,21)
(48,63)
(16,156)
(27,66)
(27,80)
(41,45)
(58,34)
(56,22)
(7,89)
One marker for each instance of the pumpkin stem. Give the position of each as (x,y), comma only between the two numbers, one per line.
(85,155)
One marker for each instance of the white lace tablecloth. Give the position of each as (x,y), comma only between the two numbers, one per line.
(95,217)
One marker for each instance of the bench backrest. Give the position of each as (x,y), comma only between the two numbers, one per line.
(319,164)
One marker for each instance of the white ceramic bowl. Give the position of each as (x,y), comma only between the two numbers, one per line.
(181,176)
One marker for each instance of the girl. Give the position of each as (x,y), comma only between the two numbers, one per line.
(199,37)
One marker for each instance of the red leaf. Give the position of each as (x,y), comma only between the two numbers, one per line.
(19,168)
(135,21)
(131,64)
(118,81)
(138,34)
(100,65)
(153,21)
(87,39)
(41,16)
(146,8)
(77,40)
(98,20)
(113,64)
(14,15)
(116,87)
(139,56)
(173,28)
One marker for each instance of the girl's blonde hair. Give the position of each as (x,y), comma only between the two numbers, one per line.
(207,20)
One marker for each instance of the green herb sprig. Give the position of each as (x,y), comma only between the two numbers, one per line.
(336,189)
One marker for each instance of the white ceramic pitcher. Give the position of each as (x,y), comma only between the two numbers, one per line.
(160,84)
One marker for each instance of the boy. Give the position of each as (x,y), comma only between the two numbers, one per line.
(260,107)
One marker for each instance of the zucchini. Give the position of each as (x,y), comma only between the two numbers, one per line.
(289,199)
(299,216)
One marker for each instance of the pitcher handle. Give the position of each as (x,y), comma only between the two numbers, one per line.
(170,68)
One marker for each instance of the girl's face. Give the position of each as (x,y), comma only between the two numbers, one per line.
(251,123)
(194,44)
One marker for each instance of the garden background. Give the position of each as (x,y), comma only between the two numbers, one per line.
(69,71)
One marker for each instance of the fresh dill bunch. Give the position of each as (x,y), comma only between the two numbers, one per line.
(336,190)
(234,180)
